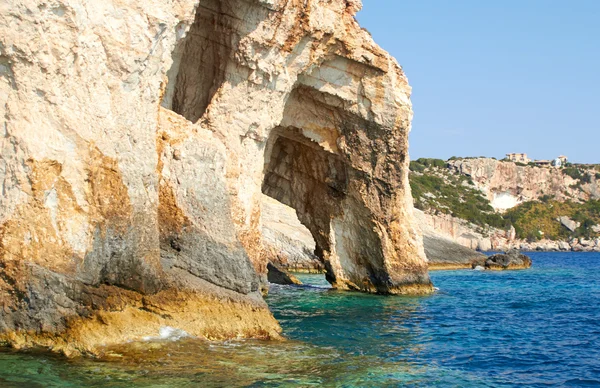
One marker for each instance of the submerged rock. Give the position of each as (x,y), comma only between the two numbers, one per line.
(279,275)
(512,259)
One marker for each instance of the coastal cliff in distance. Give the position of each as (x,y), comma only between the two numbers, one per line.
(507,184)
(138,138)
(485,204)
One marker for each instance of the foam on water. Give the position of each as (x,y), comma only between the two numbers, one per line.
(168,333)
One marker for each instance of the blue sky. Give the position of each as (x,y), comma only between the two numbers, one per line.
(493,77)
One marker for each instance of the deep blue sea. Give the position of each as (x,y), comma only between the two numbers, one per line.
(531,328)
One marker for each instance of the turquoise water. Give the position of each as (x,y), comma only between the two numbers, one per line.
(539,327)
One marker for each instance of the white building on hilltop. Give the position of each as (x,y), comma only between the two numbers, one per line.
(560,161)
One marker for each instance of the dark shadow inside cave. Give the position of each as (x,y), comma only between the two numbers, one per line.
(299,173)
(202,60)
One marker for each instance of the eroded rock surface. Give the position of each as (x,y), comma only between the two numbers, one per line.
(442,251)
(445,250)
(289,245)
(279,275)
(136,140)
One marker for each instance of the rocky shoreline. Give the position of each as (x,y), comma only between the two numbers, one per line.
(469,236)
(574,245)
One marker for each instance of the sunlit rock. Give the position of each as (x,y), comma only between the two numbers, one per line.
(138,137)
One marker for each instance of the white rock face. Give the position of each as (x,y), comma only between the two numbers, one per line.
(504,201)
(287,242)
(569,223)
(137,138)
(507,184)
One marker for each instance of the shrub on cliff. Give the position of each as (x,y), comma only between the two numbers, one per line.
(416,166)
(573,172)
(586,178)
(530,218)
(428,162)
(455,196)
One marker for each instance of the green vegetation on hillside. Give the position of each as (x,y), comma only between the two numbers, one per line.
(421,164)
(437,189)
(451,194)
(577,173)
(536,220)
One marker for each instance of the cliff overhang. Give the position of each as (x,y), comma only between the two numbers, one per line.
(138,139)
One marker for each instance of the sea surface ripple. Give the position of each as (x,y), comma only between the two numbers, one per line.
(532,328)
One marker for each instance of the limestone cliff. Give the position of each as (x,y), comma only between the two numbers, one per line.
(137,138)
(507,184)
(476,238)
(485,204)
(446,246)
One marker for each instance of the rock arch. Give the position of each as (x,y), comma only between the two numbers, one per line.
(315,119)
(337,170)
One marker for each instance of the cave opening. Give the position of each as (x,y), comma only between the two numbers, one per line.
(203,58)
(311,162)
(301,174)
(198,68)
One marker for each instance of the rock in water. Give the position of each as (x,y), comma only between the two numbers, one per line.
(443,253)
(278,275)
(512,259)
(136,140)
